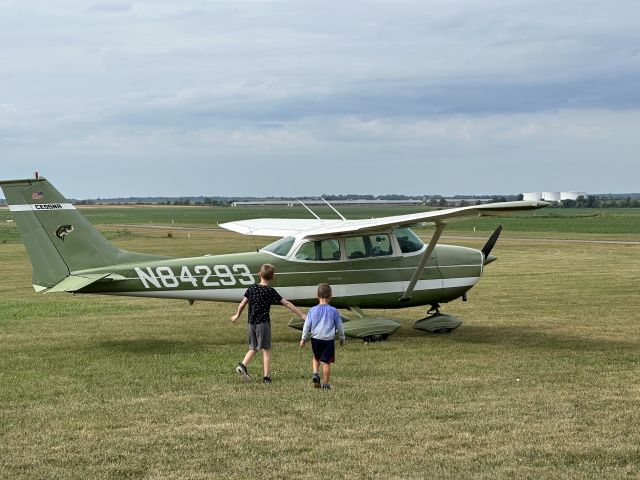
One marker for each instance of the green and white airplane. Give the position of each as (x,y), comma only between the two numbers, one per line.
(374,263)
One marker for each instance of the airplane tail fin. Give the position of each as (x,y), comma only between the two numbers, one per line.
(58,238)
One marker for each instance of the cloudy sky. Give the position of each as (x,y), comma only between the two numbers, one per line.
(297,97)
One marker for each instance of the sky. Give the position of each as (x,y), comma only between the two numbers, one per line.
(290,97)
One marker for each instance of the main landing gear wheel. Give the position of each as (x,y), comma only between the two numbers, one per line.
(375,338)
(437,322)
(443,330)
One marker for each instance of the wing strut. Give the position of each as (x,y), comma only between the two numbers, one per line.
(423,262)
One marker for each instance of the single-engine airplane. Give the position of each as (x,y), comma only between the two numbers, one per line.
(372,263)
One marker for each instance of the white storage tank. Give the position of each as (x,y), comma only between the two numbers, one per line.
(551,196)
(532,196)
(572,195)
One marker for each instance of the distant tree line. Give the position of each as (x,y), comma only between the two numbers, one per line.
(600,201)
(197,201)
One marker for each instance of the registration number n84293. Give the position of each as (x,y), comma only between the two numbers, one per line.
(198,276)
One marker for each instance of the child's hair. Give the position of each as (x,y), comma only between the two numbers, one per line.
(267,271)
(324,291)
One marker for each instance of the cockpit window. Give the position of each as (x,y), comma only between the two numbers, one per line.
(319,251)
(281,247)
(307,251)
(408,241)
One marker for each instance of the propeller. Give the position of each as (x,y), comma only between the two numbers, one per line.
(486,250)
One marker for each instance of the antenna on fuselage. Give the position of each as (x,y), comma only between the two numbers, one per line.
(332,208)
(253,239)
(312,212)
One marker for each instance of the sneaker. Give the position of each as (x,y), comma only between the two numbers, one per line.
(326,386)
(316,380)
(241,370)
(266,380)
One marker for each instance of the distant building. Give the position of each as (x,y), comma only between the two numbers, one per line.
(467,201)
(552,196)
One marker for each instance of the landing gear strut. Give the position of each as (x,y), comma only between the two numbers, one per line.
(434,310)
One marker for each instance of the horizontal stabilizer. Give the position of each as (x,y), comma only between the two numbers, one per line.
(73,283)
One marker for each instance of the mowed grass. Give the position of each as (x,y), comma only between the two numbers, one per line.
(542,380)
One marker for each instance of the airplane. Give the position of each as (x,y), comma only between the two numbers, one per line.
(370,264)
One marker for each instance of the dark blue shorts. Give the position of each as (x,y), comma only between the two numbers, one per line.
(323,350)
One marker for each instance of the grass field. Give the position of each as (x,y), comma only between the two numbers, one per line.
(542,380)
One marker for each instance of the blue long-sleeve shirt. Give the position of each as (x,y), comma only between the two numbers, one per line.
(323,321)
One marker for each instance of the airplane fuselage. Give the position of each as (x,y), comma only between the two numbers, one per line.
(377,282)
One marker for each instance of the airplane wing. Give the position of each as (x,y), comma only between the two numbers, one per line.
(276,227)
(279,227)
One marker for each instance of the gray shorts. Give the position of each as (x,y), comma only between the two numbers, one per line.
(259,336)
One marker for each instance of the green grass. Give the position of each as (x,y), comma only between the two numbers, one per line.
(9,233)
(561,221)
(540,382)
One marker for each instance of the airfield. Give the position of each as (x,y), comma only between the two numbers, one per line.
(541,381)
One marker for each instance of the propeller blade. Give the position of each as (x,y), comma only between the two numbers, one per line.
(486,250)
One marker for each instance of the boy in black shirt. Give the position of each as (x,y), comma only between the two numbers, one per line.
(260,297)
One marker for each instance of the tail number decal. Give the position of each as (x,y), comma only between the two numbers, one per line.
(202,276)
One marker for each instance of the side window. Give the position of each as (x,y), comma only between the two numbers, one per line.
(330,249)
(320,250)
(377,245)
(307,251)
(355,247)
(380,245)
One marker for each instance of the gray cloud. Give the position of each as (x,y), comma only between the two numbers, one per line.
(216,85)
(110,7)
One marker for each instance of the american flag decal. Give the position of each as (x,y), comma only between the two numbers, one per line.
(37,195)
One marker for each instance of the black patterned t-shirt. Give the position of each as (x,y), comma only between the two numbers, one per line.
(261,297)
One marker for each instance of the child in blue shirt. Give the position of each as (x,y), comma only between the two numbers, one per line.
(323,321)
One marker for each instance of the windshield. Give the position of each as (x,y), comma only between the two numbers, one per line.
(281,247)
(408,241)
